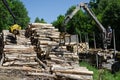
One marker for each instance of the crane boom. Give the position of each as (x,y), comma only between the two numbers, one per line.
(68,17)
(14,28)
(100,26)
(10,11)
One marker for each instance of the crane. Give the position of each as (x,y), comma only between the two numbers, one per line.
(14,28)
(106,38)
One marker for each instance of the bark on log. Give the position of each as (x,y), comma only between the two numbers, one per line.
(20,55)
(48,42)
(2,60)
(41,63)
(9,59)
(57,60)
(21,68)
(72,76)
(13,63)
(42,74)
(73,71)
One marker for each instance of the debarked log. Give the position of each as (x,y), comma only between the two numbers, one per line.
(18,63)
(42,74)
(73,71)
(73,76)
(41,63)
(21,68)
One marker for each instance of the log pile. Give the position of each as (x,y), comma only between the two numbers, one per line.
(41,55)
(20,53)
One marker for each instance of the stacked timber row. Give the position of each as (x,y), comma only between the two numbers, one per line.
(18,52)
(39,52)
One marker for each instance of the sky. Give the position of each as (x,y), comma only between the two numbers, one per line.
(49,10)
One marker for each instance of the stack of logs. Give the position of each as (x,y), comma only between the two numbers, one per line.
(37,50)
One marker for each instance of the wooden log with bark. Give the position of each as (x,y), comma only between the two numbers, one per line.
(74,71)
(20,63)
(41,63)
(73,76)
(24,68)
(41,74)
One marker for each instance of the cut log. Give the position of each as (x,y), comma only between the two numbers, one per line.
(2,60)
(20,55)
(18,63)
(42,75)
(20,68)
(59,67)
(55,37)
(52,56)
(15,51)
(57,60)
(26,63)
(20,59)
(73,77)
(17,47)
(48,42)
(41,63)
(40,24)
(74,71)
(43,38)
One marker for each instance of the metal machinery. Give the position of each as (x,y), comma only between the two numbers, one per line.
(14,28)
(106,38)
(106,33)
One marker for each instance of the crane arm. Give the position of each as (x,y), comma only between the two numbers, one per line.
(10,11)
(14,28)
(100,26)
(68,17)
(84,6)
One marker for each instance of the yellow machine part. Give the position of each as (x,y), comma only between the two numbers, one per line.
(15,27)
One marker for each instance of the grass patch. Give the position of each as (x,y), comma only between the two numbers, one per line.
(103,74)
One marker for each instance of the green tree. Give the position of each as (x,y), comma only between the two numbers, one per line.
(79,23)
(98,6)
(111,18)
(42,20)
(37,20)
(19,11)
(107,12)
(111,14)
(59,23)
(4,17)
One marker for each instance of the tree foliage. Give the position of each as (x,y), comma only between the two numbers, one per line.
(37,20)
(78,23)
(19,11)
(111,17)
(59,22)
